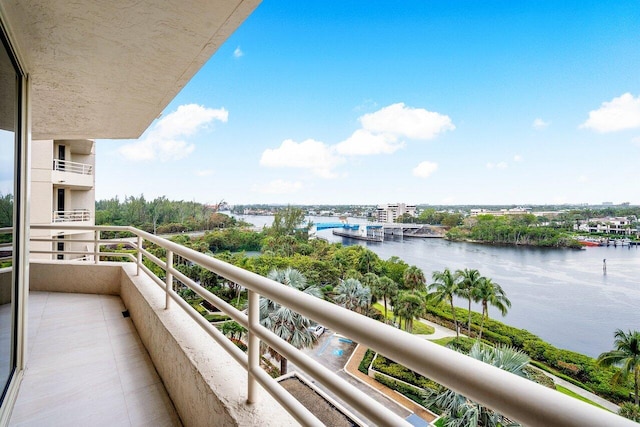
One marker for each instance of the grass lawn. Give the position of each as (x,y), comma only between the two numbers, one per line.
(419,328)
(568,392)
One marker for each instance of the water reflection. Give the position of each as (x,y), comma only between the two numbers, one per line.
(560,295)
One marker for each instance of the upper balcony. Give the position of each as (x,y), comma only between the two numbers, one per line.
(75,216)
(72,174)
(207,378)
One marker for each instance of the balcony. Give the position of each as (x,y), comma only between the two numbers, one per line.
(76,215)
(208,380)
(72,174)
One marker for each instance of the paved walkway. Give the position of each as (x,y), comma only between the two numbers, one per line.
(440,331)
(352,369)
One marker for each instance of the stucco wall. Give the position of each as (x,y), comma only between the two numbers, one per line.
(206,385)
(5,285)
(82,278)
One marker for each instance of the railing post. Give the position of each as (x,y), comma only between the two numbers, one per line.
(169,282)
(254,345)
(96,246)
(139,255)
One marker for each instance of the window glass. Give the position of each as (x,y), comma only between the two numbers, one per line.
(8,103)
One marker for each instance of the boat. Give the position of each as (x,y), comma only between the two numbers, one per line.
(589,241)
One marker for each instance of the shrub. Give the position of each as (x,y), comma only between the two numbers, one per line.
(366,361)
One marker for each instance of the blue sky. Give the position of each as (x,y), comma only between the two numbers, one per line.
(436,102)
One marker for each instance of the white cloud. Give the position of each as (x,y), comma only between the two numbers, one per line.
(517,158)
(308,154)
(540,124)
(164,140)
(278,186)
(363,143)
(618,114)
(400,120)
(583,178)
(425,169)
(204,172)
(238,52)
(499,165)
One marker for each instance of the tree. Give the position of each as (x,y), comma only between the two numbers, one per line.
(409,307)
(352,295)
(368,262)
(414,278)
(626,356)
(469,281)
(284,322)
(490,293)
(387,288)
(462,412)
(444,288)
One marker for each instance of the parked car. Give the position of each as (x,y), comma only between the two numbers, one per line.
(317,330)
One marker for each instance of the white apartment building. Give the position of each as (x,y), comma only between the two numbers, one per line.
(391,212)
(62,192)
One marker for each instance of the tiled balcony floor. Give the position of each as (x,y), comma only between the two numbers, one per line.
(87,366)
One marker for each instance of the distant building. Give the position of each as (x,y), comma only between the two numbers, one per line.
(62,192)
(391,212)
(610,225)
(515,211)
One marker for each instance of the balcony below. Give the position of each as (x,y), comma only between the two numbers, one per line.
(87,366)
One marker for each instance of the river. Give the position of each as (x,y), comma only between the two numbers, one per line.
(561,295)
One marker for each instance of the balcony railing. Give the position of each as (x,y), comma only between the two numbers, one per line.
(73,167)
(517,398)
(77,215)
(6,245)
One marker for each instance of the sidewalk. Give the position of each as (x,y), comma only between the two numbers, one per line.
(352,369)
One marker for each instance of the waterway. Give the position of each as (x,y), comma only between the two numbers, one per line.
(561,295)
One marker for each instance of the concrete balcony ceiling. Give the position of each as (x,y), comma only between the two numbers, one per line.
(108,69)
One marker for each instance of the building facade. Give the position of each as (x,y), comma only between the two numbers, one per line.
(391,212)
(63,192)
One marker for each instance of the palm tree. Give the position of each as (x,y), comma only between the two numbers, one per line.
(368,261)
(372,281)
(352,295)
(387,288)
(409,307)
(284,322)
(414,278)
(490,293)
(444,287)
(462,412)
(627,356)
(470,280)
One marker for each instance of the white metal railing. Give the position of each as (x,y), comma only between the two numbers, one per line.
(517,398)
(6,247)
(77,215)
(73,167)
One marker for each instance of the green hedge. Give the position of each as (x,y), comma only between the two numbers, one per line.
(413,393)
(393,369)
(574,367)
(366,361)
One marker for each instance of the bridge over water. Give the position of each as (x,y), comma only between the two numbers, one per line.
(377,231)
